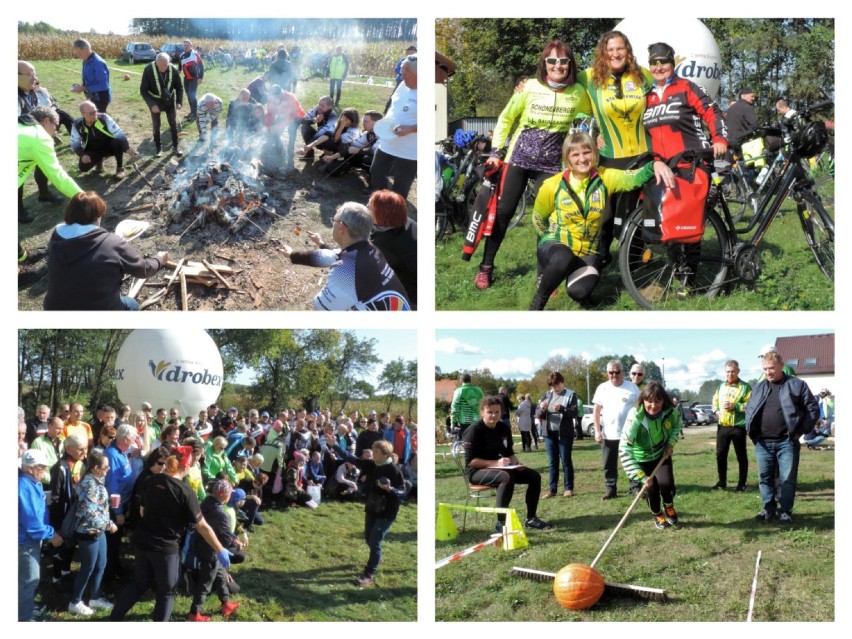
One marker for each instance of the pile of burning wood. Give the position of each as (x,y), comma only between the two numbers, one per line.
(217,191)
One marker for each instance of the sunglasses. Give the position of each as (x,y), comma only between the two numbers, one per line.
(659,63)
(554,61)
(637,374)
(613,372)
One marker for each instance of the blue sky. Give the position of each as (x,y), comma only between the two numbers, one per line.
(691,356)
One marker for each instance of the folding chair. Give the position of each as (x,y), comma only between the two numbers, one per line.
(473,492)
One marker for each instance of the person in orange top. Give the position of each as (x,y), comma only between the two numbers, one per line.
(74,424)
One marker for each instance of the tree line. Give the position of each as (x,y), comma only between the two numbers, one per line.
(285,28)
(789,58)
(306,368)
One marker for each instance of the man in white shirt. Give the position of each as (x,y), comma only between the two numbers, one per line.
(613,399)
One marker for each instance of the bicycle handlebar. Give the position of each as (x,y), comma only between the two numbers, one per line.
(819,106)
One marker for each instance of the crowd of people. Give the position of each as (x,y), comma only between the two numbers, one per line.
(638,424)
(264,121)
(188,491)
(647,118)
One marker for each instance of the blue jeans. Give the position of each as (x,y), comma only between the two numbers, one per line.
(564,448)
(130,304)
(93,559)
(29,557)
(191,89)
(782,457)
(375,529)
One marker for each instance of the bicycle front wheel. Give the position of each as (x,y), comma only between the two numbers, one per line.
(819,231)
(441,222)
(737,195)
(657,273)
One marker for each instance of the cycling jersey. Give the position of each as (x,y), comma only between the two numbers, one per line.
(619,119)
(738,394)
(360,280)
(674,115)
(645,439)
(544,117)
(557,217)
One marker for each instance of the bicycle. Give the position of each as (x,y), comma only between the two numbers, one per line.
(743,189)
(455,181)
(656,272)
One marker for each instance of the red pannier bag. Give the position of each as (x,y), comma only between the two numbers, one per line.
(680,210)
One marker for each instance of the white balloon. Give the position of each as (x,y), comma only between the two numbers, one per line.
(697,56)
(169,368)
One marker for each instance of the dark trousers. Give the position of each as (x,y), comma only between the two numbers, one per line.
(42,183)
(725,436)
(514,181)
(106,149)
(152,568)
(191,89)
(375,529)
(560,448)
(504,481)
(334,89)
(609,455)
(101,100)
(386,166)
(662,486)
(208,577)
(558,263)
(309,132)
(526,440)
(113,553)
(171,117)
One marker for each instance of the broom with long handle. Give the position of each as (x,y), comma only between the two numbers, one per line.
(654,594)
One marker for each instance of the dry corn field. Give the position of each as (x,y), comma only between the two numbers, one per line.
(366,58)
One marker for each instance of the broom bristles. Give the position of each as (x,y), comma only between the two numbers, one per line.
(614,589)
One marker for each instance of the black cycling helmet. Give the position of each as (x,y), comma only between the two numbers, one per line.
(660,51)
(810,140)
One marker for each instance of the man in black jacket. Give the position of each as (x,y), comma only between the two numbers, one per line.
(741,117)
(162,91)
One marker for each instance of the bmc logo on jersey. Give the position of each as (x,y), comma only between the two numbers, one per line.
(672,108)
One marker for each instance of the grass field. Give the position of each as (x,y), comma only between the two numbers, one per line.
(790,279)
(302,566)
(706,564)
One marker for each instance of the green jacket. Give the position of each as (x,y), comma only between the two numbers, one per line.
(35,148)
(645,439)
(465,406)
(738,394)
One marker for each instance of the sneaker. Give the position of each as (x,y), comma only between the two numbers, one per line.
(670,514)
(364,581)
(176,151)
(483,279)
(229,608)
(80,609)
(100,604)
(119,174)
(740,488)
(763,515)
(197,616)
(538,524)
(568,493)
(785,519)
(549,494)
(609,494)
(190,118)
(39,610)
(719,486)
(660,521)
(158,152)
(25,217)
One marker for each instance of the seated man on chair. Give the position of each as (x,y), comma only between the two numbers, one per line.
(490,461)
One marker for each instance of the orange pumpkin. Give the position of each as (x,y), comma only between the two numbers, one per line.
(578,587)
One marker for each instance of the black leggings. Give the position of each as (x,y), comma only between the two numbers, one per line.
(557,263)
(663,484)
(504,481)
(512,186)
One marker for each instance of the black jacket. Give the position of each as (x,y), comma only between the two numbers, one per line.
(567,411)
(399,246)
(159,89)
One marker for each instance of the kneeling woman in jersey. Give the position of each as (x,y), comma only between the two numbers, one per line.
(570,217)
(650,433)
(360,278)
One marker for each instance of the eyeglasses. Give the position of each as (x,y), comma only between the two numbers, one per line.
(637,374)
(659,64)
(613,372)
(554,61)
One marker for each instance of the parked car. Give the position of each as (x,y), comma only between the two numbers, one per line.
(174,49)
(707,409)
(138,52)
(588,420)
(688,415)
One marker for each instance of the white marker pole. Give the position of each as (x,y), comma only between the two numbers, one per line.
(753,586)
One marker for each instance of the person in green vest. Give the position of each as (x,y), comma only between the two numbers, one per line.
(337,70)
(729,404)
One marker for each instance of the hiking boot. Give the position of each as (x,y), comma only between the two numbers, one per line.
(365,581)
(229,608)
(34,255)
(499,527)
(197,616)
(80,609)
(483,277)
(740,488)
(670,514)
(190,118)
(660,521)
(25,217)
(538,524)
(719,485)
(764,515)
(549,494)
(49,198)
(568,493)
(609,494)
(785,519)
(538,301)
